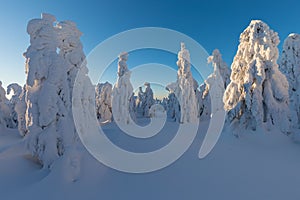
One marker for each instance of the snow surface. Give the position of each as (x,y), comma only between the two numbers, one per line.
(257,165)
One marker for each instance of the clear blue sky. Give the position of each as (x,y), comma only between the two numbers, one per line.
(214,24)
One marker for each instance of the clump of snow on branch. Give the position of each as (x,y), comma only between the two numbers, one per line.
(122,94)
(258,91)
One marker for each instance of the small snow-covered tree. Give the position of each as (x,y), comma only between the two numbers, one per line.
(132,107)
(103,101)
(185,88)
(204,102)
(20,109)
(144,100)
(258,91)
(173,107)
(15,90)
(290,66)
(5,119)
(149,100)
(140,102)
(122,92)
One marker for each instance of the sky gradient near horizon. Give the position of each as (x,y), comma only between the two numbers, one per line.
(213,24)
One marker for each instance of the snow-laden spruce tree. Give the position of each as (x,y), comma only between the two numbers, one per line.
(258,91)
(5,112)
(290,66)
(149,100)
(122,94)
(215,86)
(103,101)
(15,90)
(47,92)
(185,88)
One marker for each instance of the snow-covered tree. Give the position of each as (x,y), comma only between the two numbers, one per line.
(132,107)
(214,87)
(290,66)
(47,92)
(173,107)
(258,91)
(20,109)
(185,88)
(103,101)
(144,100)
(221,69)
(122,92)
(5,119)
(149,100)
(140,102)
(204,102)
(15,90)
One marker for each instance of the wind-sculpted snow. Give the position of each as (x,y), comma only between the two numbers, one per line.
(258,91)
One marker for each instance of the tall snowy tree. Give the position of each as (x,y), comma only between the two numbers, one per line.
(103,101)
(258,91)
(215,86)
(185,88)
(47,91)
(122,92)
(50,77)
(290,66)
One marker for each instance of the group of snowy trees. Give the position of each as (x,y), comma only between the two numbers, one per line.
(42,109)
(256,92)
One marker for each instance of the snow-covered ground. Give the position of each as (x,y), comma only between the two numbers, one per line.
(256,165)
